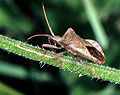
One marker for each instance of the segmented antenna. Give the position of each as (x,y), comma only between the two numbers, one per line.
(50,29)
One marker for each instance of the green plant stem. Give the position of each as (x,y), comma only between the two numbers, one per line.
(64,62)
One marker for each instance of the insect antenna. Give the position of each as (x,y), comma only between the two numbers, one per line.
(50,29)
(36,35)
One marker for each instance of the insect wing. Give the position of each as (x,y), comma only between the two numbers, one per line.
(97,49)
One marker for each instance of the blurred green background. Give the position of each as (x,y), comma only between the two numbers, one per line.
(91,19)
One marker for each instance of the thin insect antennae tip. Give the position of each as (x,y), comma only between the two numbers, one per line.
(50,29)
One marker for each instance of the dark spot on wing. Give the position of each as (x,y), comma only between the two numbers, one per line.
(94,52)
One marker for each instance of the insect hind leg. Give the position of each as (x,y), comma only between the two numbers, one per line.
(85,65)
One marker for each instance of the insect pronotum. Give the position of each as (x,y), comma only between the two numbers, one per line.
(74,44)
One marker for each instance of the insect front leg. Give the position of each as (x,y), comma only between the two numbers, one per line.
(48,46)
(81,62)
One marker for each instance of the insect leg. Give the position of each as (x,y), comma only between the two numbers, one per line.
(44,52)
(49,46)
(58,55)
(49,40)
(79,59)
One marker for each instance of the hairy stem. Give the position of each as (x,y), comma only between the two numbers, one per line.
(69,63)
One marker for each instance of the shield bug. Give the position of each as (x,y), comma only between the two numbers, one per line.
(74,44)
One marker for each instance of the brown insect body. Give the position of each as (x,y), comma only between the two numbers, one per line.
(74,44)
(80,47)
